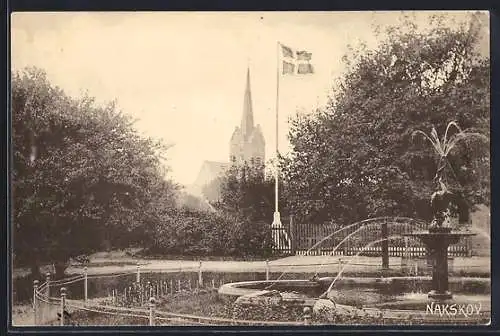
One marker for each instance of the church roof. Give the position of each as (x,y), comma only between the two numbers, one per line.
(236,134)
(247,118)
(209,171)
(257,135)
(217,167)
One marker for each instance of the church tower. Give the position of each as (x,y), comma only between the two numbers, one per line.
(247,142)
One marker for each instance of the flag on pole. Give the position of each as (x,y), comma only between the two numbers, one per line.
(288,68)
(295,62)
(304,55)
(287,52)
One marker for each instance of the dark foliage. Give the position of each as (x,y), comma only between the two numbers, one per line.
(83,179)
(356,158)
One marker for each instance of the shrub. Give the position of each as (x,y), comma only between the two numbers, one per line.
(267,310)
(199,233)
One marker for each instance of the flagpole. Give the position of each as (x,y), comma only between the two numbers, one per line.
(276,172)
(276,218)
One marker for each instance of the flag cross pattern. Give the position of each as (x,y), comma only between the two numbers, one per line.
(295,62)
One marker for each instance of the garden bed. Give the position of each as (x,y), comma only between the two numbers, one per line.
(208,304)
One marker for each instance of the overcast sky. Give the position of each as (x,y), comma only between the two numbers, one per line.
(183,74)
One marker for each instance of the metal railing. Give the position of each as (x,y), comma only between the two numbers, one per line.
(48,308)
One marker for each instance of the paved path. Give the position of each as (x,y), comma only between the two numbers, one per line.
(293,264)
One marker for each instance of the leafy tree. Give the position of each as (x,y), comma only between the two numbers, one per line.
(246,190)
(356,159)
(238,224)
(192,202)
(191,232)
(82,176)
(247,194)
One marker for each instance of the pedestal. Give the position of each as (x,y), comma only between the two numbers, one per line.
(439,255)
(437,240)
(437,243)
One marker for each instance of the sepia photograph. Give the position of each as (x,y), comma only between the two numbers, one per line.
(250,169)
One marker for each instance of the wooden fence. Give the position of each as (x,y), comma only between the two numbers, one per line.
(363,238)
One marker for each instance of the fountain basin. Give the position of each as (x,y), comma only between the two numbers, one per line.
(396,298)
(306,288)
(442,234)
(312,289)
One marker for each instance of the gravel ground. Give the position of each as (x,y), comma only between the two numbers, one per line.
(293,264)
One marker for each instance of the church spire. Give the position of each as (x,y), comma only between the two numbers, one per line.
(247,120)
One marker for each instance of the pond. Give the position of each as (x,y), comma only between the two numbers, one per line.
(102,285)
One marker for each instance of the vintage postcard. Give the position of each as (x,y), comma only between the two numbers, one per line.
(250,168)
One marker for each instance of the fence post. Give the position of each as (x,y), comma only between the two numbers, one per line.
(307,315)
(85,284)
(292,236)
(385,246)
(35,303)
(138,275)
(141,290)
(200,276)
(152,311)
(47,279)
(340,265)
(179,285)
(267,269)
(63,304)
(405,256)
(347,245)
(46,309)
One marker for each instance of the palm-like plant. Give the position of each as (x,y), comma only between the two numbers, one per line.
(440,199)
(444,146)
